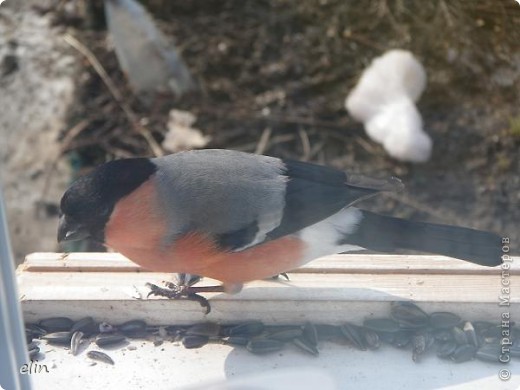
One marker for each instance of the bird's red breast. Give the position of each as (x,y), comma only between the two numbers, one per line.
(137,228)
(136,221)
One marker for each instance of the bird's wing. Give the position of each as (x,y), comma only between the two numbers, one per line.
(242,200)
(315,192)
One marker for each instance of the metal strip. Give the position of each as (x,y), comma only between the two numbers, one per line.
(13,349)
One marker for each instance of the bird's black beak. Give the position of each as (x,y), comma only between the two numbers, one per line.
(70,230)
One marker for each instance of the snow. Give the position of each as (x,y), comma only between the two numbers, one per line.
(384,100)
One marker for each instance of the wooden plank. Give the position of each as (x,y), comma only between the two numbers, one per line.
(332,289)
(319,287)
(163,312)
(342,263)
(78,262)
(408,264)
(314,297)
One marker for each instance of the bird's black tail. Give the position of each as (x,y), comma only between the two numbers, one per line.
(388,234)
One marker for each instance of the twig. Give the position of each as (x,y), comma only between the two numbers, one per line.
(264,140)
(118,97)
(73,133)
(286,119)
(117,152)
(393,22)
(306,144)
(279,139)
(316,149)
(366,145)
(365,41)
(303,121)
(446,12)
(413,203)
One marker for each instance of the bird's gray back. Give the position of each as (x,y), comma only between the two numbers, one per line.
(220,191)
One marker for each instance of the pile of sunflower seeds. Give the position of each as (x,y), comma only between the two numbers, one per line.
(407,328)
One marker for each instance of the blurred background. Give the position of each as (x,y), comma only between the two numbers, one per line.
(83,82)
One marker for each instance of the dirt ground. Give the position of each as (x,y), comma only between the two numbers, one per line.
(285,67)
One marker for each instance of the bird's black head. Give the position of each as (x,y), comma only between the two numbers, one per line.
(86,206)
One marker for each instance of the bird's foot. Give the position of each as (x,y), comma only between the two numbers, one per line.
(175,291)
(283,274)
(184,289)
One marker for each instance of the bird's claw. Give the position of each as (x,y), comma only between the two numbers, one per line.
(283,274)
(175,291)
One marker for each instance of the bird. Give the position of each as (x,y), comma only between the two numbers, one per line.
(238,217)
(384,100)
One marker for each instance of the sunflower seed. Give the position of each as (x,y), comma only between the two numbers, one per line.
(371,339)
(236,340)
(34,330)
(287,334)
(401,339)
(58,338)
(133,328)
(421,342)
(443,335)
(408,315)
(489,353)
(34,352)
(204,329)
(327,332)
(105,327)
(306,346)
(444,320)
(446,349)
(100,356)
(261,345)
(354,334)
(75,342)
(310,333)
(381,325)
(86,325)
(248,329)
(459,336)
(471,335)
(106,340)
(464,353)
(56,324)
(194,341)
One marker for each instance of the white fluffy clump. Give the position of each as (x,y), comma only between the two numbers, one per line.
(181,135)
(384,100)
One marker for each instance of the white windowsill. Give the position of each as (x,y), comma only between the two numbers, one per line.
(335,289)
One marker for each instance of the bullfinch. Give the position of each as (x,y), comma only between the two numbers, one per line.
(238,217)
